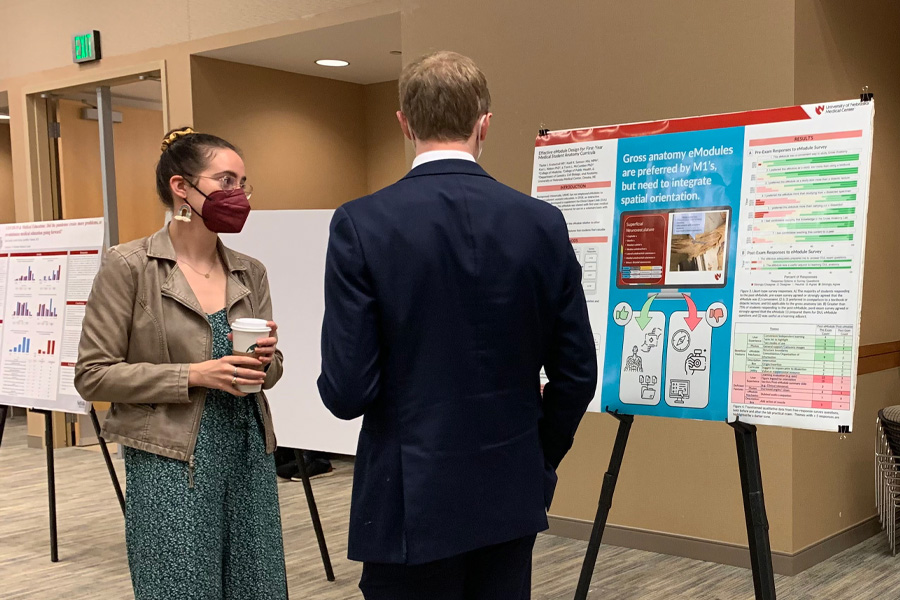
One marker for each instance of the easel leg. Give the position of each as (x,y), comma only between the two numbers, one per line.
(51,484)
(755,511)
(4,412)
(314,514)
(109,464)
(603,507)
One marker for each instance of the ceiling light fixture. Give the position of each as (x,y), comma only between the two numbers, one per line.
(329,62)
(4,117)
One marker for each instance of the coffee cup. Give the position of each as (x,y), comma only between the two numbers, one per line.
(246,332)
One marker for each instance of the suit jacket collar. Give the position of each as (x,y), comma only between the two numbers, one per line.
(448,167)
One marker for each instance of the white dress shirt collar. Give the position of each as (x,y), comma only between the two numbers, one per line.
(427,157)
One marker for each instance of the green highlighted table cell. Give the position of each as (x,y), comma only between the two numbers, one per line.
(839,198)
(826,185)
(813,160)
(826,238)
(817,173)
(850,210)
(810,260)
(803,264)
(806,268)
(822,225)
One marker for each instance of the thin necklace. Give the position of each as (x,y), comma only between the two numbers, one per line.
(195,270)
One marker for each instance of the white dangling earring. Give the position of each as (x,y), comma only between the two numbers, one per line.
(184,213)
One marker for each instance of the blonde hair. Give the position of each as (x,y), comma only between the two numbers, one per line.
(442,96)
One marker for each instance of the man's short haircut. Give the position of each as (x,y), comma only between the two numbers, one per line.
(443,95)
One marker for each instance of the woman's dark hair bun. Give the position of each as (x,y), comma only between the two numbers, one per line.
(187,153)
(174,135)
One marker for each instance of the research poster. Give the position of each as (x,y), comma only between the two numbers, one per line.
(47,270)
(722,259)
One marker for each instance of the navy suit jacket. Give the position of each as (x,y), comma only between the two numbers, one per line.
(445,295)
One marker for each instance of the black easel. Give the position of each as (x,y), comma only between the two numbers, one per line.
(51,480)
(4,412)
(754,508)
(51,469)
(314,514)
(51,473)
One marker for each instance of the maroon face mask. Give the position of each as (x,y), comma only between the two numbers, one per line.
(225,211)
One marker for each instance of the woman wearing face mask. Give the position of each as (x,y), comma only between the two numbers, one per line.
(202,517)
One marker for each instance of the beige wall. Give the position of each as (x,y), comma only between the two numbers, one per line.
(308,142)
(136,141)
(7,206)
(839,47)
(385,148)
(128,27)
(679,477)
(611,66)
(576,64)
(303,138)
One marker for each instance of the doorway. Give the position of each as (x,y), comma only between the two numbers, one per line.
(77,160)
(93,149)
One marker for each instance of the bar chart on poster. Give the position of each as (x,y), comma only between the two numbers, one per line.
(47,270)
(722,259)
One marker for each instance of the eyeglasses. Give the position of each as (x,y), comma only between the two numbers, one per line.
(230,182)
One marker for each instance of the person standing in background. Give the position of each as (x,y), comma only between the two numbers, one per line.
(445,295)
(202,519)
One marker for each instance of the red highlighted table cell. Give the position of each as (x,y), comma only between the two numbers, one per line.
(814,137)
(565,187)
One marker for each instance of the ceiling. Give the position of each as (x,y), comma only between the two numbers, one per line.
(146,94)
(148,91)
(366,45)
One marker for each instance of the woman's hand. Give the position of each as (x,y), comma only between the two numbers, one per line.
(265,347)
(226,374)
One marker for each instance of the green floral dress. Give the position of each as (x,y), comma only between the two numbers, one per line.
(221,538)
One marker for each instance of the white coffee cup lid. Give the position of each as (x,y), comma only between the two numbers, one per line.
(249,325)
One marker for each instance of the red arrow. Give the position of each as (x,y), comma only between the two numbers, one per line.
(692,319)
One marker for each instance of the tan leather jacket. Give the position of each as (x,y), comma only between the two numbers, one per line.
(143,327)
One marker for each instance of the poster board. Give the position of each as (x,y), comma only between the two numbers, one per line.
(47,270)
(722,259)
(292,246)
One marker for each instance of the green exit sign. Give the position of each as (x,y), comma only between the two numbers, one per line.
(86,46)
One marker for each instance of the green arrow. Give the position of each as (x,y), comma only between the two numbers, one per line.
(644,318)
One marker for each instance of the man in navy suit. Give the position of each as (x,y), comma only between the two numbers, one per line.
(445,295)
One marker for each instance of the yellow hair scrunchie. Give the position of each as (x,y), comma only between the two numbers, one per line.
(174,136)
